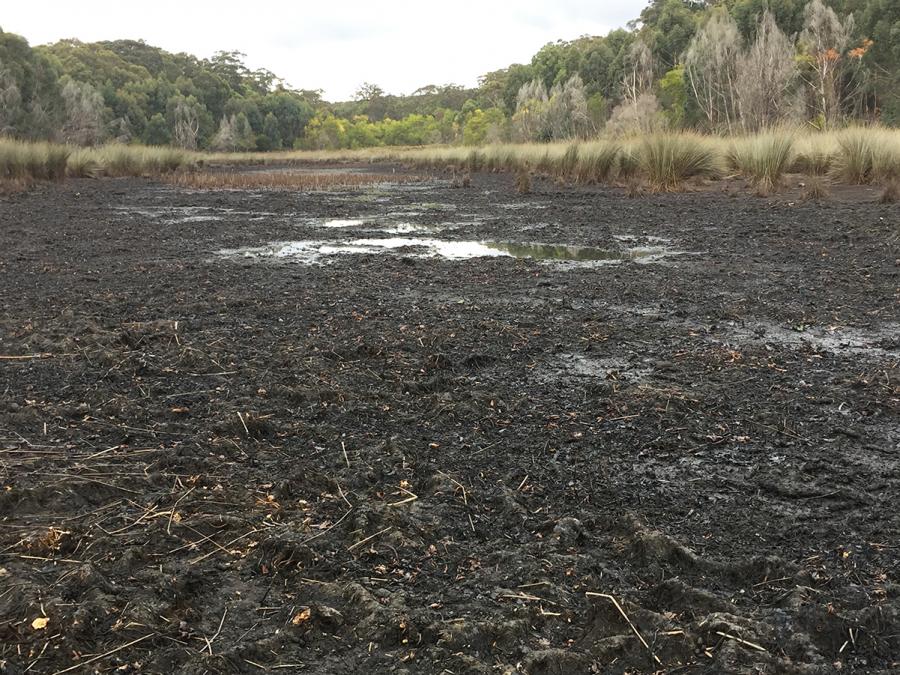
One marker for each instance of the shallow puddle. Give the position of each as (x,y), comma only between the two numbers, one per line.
(578,253)
(311,251)
(339,223)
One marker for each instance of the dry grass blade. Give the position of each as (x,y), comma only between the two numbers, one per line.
(370,538)
(270,180)
(102,656)
(746,643)
(625,616)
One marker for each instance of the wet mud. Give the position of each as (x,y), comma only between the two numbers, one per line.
(390,460)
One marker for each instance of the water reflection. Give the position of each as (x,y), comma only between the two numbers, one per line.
(423,247)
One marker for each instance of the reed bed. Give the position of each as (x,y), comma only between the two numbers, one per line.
(267,180)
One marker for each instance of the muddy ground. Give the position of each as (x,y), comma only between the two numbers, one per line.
(388,462)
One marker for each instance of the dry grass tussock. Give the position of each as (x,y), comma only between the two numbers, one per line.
(22,162)
(763,159)
(816,189)
(891,194)
(523,182)
(270,180)
(662,161)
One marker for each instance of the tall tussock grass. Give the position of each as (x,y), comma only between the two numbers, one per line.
(763,158)
(597,162)
(24,161)
(867,156)
(32,161)
(128,160)
(668,160)
(663,161)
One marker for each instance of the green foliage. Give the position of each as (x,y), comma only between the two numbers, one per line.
(271,134)
(136,84)
(668,26)
(157,131)
(328,132)
(673,95)
(127,90)
(483,126)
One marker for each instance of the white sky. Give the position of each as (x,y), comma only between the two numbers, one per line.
(334,45)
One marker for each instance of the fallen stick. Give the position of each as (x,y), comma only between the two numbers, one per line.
(464,496)
(104,655)
(625,616)
(752,645)
(209,641)
(172,512)
(412,497)
(25,357)
(380,532)
(243,423)
(222,547)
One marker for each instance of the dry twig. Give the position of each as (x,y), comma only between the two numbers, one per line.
(625,616)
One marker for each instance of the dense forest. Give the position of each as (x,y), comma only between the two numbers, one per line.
(728,66)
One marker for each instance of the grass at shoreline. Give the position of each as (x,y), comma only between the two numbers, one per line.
(24,162)
(271,180)
(855,155)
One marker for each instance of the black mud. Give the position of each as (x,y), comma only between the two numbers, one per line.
(395,463)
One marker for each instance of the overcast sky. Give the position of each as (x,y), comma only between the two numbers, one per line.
(334,45)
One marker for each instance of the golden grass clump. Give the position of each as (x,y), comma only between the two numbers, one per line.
(855,160)
(669,159)
(867,155)
(891,193)
(568,163)
(816,189)
(597,162)
(23,161)
(523,182)
(763,159)
(130,160)
(270,180)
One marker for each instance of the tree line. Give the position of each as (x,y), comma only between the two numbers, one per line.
(725,66)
